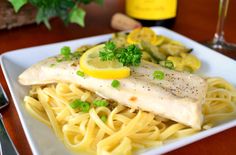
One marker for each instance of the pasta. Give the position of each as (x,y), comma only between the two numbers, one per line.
(125,130)
(220,102)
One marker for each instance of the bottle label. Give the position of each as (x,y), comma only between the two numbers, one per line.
(151,9)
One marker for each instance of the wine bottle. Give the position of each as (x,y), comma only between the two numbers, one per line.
(153,12)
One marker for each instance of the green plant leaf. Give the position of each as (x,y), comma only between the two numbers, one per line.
(85,1)
(77,16)
(17,4)
(67,10)
(100,2)
(42,17)
(47,24)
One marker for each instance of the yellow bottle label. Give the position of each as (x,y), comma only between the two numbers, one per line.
(151,9)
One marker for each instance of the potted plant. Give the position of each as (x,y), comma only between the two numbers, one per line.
(69,11)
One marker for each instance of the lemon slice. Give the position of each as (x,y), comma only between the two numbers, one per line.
(142,34)
(91,65)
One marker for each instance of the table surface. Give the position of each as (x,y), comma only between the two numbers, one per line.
(195,20)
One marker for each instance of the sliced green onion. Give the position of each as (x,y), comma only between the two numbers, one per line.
(80,73)
(159,75)
(65,51)
(100,103)
(75,104)
(85,106)
(103,118)
(115,83)
(169,64)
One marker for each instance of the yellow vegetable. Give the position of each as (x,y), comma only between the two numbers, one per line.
(160,40)
(146,56)
(185,62)
(173,49)
(191,61)
(152,50)
(174,42)
(143,34)
(177,61)
(119,39)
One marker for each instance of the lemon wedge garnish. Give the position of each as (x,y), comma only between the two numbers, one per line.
(91,65)
(142,34)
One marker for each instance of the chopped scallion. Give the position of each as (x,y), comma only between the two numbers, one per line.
(65,51)
(75,104)
(84,106)
(169,64)
(80,73)
(159,75)
(100,103)
(115,83)
(103,118)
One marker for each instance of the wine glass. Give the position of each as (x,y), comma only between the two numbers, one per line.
(218,41)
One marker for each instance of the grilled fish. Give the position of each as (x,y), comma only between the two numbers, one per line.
(179,96)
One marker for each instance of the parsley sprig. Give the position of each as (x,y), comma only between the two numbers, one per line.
(108,52)
(67,10)
(128,56)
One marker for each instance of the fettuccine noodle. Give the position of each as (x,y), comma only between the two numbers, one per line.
(125,130)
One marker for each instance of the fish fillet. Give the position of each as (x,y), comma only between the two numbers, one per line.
(179,96)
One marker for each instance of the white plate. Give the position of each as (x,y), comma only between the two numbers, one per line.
(42,139)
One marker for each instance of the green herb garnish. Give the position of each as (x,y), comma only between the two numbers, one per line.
(167,64)
(84,106)
(128,56)
(80,73)
(75,104)
(103,118)
(159,75)
(100,103)
(108,52)
(65,51)
(66,54)
(115,83)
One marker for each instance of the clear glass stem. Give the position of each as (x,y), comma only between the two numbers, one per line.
(219,35)
(218,41)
